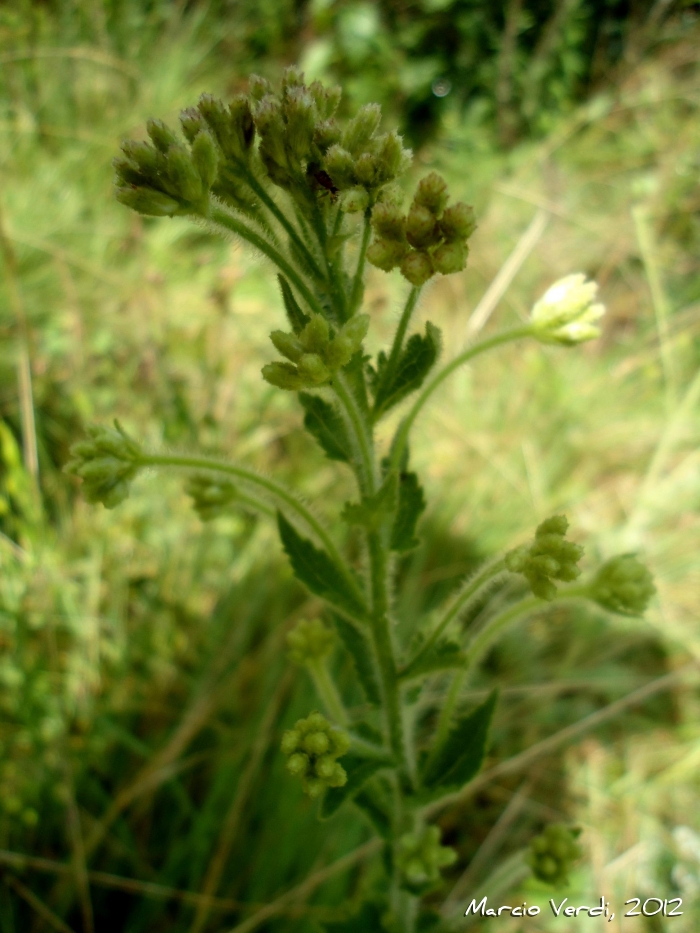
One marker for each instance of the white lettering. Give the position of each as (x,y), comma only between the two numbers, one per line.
(597,911)
(533,911)
(557,910)
(505,907)
(569,911)
(475,908)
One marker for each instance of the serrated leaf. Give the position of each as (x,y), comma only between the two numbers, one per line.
(378,816)
(415,362)
(461,756)
(323,421)
(359,771)
(411,506)
(297,318)
(369,920)
(358,648)
(371,511)
(316,570)
(442,656)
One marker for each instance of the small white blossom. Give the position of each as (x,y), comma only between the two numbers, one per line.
(567,312)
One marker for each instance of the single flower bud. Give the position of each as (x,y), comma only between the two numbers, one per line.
(623,585)
(284,376)
(421,227)
(550,557)
(347,341)
(288,345)
(362,128)
(183,179)
(389,223)
(300,117)
(386,254)
(432,193)
(106,462)
(149,160)
(192,122)
(312,748)
(313,369)
(420,857)
(417,267)
(128,173)
(353,201)
(327,99)
(292,77)
(309,641)
(258,87)
(366,169)
(242,126)
(458,222)
(315,336)
(147,201)
(205,158)
(162,136)
(340,165)
(211,495)
(553,853)
(326,134)
(450,257)
(391,158)
(567,312)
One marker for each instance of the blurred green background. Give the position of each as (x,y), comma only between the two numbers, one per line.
(143,679)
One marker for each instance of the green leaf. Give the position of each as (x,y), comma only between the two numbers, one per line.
(378,815)
(411,505)
(358,648)
(316,570)
(461,756)
(369,920)
(296,316)
(415,362)
(324,422)
(371,511)
(442,656)
(359,771)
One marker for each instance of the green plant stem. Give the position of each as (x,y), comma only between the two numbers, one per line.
(397,344)
(254,503)
(363,440)
(220,216)
(445,717)
(489,572)
(327,690)
(262,482)
(401,438)
(357,285)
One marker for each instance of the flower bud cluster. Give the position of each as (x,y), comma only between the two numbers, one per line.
(315,352)
(106,463)
(420,857)
(550,557)
(210,495)
(167,177)
(430,238)
(567,313)
(623,585)
(553,853)
(312,748)
(309,641)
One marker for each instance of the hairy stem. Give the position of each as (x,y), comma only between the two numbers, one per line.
(363,437)
(357,282)
(327,690)
(401,438)
(397,345)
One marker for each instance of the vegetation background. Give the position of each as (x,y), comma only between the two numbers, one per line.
(143,679)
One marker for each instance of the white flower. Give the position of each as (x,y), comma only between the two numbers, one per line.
(567,312)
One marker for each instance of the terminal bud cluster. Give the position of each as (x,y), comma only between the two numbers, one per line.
(550,557)
(312,748)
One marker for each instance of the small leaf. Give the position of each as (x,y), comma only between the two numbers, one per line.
(442,656)
(359,771)
(378,816)
(359,650)
(411,505)
(316,570)
(371,511)
(323,421)
(369,920)
(296,316)
(461,756)
(416,360)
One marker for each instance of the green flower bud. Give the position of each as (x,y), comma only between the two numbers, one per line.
(313,369)
(326,99)
(106,462)
(567,312)
(292,77)
(162,136)
(432,193)
(550,557)
(147,201)
(312,748)
(128,173)
(340,165)
(309,641)
(366,169)
(300,116)
(288,345)
(623,585)
(553,853)
(192,122)
(183,179)
(386,254)
(458,222)
(389,223)
(149,160)
(326,134)
(211,495)
(362,128)
(353,201)
(420,857)
(315,335)
(258,87)
(421,227)
(450,257)
(417,267)
(392,159)
(242,126)
(347,341)
(284,376)
(205,158)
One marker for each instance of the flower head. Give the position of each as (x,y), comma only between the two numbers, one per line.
(567,313)
(553,853)
(106,462)
(420,858)
(623,585)
(312,747)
